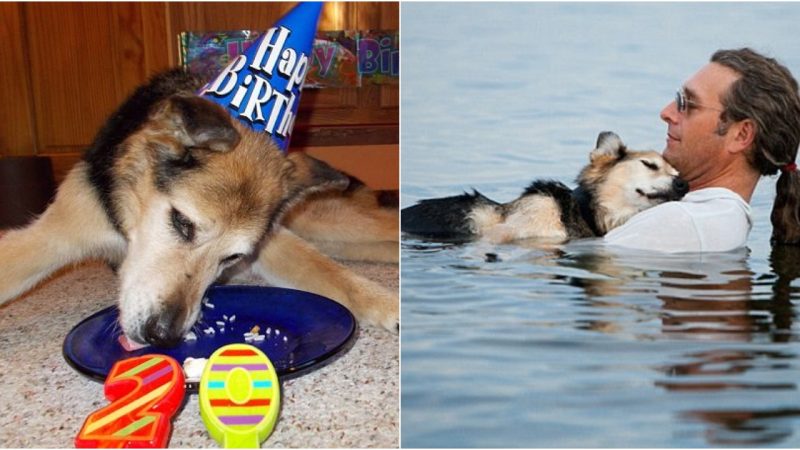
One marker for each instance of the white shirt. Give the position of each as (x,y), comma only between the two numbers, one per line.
(706,220)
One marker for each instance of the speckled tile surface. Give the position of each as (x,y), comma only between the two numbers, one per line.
(351,402)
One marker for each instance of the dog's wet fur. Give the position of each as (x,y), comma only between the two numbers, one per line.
(173,192)
(616,184)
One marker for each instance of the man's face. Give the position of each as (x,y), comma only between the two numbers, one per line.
(693,145)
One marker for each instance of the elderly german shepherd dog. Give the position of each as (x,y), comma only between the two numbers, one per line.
(616,184)
(173,191)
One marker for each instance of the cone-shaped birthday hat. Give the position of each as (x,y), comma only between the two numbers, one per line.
(261,87)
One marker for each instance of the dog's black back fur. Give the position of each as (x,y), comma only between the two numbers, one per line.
(126,120)
(444,217)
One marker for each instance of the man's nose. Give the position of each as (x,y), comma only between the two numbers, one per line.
(670,113)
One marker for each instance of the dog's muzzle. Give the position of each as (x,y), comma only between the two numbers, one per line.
(679,187)
(164,329)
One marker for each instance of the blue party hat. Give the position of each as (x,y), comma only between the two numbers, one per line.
(261,87)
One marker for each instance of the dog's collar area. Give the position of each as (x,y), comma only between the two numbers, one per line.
(584,199)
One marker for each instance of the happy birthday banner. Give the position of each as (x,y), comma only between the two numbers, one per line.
(338,59)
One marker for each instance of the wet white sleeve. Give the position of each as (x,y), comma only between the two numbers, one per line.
(722,228)
(667,228)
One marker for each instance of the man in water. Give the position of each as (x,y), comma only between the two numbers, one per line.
(736,119)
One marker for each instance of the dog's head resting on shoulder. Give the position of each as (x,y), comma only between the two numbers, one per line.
(622,182)
(194,192)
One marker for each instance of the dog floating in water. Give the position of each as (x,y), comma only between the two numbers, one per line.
(616,184)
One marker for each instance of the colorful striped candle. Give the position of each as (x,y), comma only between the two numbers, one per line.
(239,396)
(145,392)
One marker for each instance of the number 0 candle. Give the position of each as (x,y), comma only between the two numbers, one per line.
(239,396)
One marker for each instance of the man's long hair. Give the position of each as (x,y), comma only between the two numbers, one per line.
(767,94)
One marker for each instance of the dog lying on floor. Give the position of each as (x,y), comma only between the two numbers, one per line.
(616,184)
(173,192)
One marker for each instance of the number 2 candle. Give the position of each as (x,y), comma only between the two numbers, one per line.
(145,392)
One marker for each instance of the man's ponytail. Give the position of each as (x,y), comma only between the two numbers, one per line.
(786,209)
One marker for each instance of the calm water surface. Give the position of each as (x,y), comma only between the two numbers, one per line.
(577,345)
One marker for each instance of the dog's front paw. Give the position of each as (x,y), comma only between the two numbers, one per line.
(378,307)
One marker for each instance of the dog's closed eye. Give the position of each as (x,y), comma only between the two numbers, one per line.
(182,225)
(231,259)
(650,165)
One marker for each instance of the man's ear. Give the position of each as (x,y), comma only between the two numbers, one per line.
(198,123)
(742,135)
(305,175)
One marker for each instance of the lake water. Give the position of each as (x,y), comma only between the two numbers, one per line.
(576,345)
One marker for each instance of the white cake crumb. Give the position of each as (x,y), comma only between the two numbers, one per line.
(209,330)
(190,336)
(193,368)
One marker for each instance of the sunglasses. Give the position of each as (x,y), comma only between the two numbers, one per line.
(683,103)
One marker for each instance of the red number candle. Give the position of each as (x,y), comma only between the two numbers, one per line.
(145,392)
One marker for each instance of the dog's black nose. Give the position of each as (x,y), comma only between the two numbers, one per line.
(680,187)
(162,331)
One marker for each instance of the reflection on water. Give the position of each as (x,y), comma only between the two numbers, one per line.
(719,303)
(714,351)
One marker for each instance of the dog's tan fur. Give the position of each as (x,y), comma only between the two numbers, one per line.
(234,199)
(336,223)
(530,217)
(58,238)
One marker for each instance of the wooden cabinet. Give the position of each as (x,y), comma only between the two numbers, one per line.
(65,66)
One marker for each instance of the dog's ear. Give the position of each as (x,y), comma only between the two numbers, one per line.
(609,145)
(199,123)
(305,175)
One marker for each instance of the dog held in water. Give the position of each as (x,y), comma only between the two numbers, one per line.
(616,184)
(174,191)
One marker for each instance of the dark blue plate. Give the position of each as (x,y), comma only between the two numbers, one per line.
(305,331)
